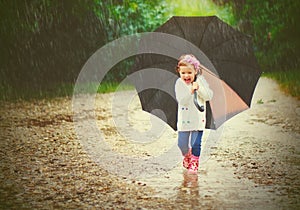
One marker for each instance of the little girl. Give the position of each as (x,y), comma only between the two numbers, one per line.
(191,121)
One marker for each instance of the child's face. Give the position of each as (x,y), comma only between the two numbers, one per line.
(187,74)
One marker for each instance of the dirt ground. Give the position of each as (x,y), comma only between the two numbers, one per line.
(251,162)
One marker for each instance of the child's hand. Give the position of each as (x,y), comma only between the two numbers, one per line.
(195,87)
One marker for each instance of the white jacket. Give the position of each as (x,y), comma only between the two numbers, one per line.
(189,118)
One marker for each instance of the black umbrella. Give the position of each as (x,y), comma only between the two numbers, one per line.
(232,71)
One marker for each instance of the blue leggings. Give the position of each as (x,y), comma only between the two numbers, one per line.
(183,141)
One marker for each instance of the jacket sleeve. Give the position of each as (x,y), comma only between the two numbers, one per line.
(182,92)
(204,91)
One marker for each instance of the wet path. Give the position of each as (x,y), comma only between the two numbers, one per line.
(252,163)
(216,187)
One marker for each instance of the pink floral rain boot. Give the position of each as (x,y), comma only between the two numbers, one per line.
(193,166)
(186,159)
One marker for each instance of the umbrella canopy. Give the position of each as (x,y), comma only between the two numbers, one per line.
(233,77)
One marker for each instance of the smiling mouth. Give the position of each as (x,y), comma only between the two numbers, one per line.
(187,80)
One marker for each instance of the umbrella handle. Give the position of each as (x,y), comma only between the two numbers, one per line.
(200,108)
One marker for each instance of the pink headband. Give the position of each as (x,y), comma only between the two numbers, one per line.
(191,60)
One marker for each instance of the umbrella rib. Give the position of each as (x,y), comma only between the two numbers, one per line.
(228,40)
(231,61)
(204,32)
(179,27)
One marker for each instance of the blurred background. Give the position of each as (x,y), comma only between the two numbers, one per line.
(45,43)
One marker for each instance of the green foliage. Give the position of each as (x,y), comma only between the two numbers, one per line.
(60,90)
(272,24)
(108,87)
(289,81)
(200,8)
(260,101)
(45,43)
(27,93)
(120,18)
(129,16)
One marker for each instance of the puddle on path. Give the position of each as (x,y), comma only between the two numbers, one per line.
(214,186)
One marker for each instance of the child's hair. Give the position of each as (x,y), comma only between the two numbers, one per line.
(189,59)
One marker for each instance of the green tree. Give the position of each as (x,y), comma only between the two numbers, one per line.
(129,16)
(44,43)
(272,24)
(200,8)
(126,17)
